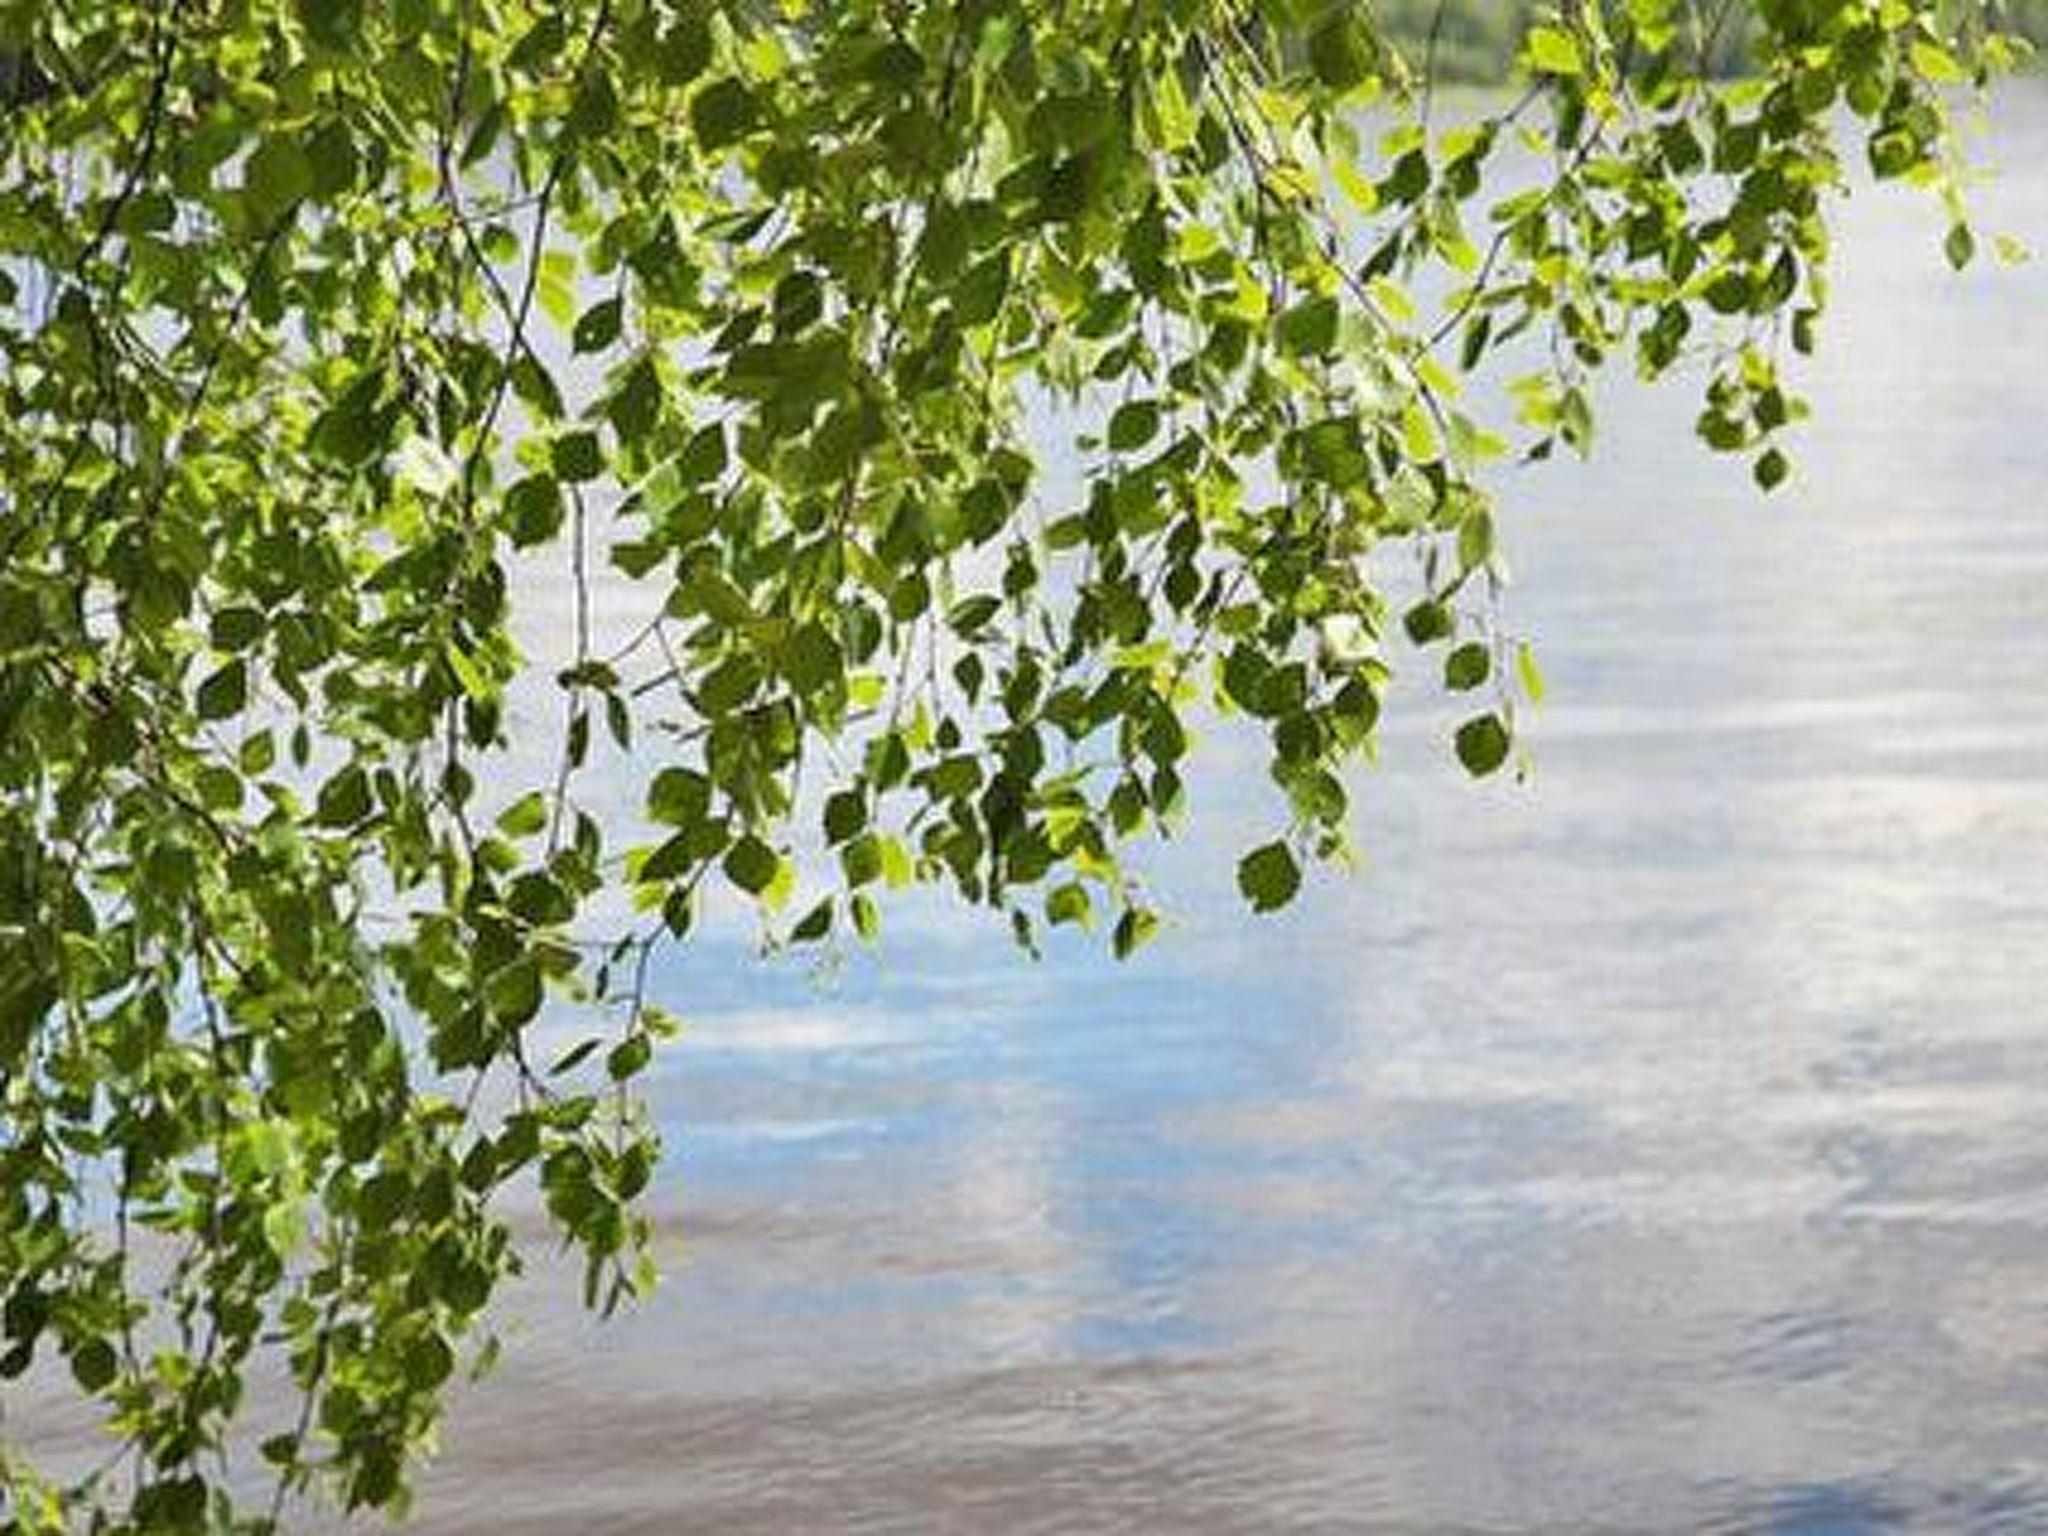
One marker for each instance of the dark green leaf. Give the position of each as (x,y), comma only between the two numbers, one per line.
(1483,743)
(1134,424)
(1269,877)
(752,865)
(1468,666)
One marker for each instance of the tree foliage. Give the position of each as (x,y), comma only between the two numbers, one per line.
(288,287)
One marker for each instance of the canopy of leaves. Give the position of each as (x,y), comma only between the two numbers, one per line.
(286,287)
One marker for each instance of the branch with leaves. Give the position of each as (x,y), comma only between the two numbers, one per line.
(321,318)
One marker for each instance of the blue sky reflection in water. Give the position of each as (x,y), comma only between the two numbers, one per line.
(1658,1146)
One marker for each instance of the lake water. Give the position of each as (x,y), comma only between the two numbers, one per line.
(1660,1145)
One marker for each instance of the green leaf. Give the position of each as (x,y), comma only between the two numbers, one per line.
(514,993)
(684,50)
(277,176)
(1269,877)
(284,1227)
(332,161)
(1529,674)
(1483,743)
(236,627)
(1428,622)
(539,899)
(1134,424)
(575,1056)
(598,327)
(752,865)
(867,920)
(429,1362)
(846,815)
(333,24)
(355,426)
(94,1363)
(634,405)
(345,798)
(536,388)
(556,289)
(1134,929)
(628,1058)
(972,615)
(1309,329)
(673,856)
(1937,63)
(703,459)
(812,660)
(814,924)
(225,692)
(535,509)
(708,590)
(1960,246)
(1554,52)
(1340,49)
(679,797)
(1467,667)
(577,457)
(1069,903)
(722,113)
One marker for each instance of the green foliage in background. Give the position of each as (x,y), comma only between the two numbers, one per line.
(285,289)
(1477,41)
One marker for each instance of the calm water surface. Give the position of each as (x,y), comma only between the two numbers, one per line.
(1659,1146)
